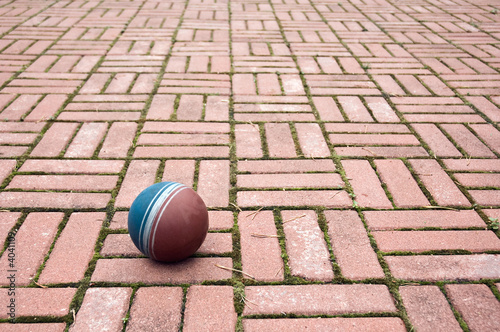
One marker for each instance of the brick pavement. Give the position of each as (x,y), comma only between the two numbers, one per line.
(348,152)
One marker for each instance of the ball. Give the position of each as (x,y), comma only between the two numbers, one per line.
(168,221)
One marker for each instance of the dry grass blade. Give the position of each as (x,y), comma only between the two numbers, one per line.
(440,207)
(281,269)
(264,235)
(373,153)
(4,210)
(254,214)
(235,270)
(294,218)
(246,302)
(39,285)
(236,206)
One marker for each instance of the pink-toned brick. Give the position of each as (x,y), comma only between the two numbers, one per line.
(6,167)
(486,107)
(388,84)
(72,166)
(318,299)
(64,182)
(351,246)
(79,235)
(190,107)
(419,241)
(268,84)
(354,109)
(213,182)
(436,140)
(118,140)
(311,140)
(467,141)
(217,108)
(192,270)
(360,324)
(54,140)
(366,185)
(54,200)
(327,109)
(286,166)
(442,188)
(428,309)
(316,180)
(388,220)
(32,242)
(478,179)
(86,140)
(481,165)
(489,134)
(248,143)
(209,308)
(243,84)
(292,85)
(381,110)
(103,308)
(95,83)
(444,267)
(181,171)
(260,255)
(182,152)
(39,301)
(19,107)
(140,175)
(156,309)
(34,327)
(413,86)
(9,219)
(162,107)
(326,198)
(477,305)
(47,108)
(403,188)
(486,197)
(219,220)
(308,255)
(279,140)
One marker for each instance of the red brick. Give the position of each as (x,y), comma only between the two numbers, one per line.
(54,200)
(54,140)
(375,139)
(162,107)
(279,140)
(325,324)
(260,256)
(436,85)
(354,109)
(72,166)
(292,85)
(219,220)
(6,167)
(485,107)
(403,188)
(182,152)
(428,309)
(19,107)
(156,309)
(268,84)
(366,185)
(318,299)
(181,171)
(243,84)
(248,144)
(308,255)
(286,166)
(467,141)
(32,243)
(442,188)
(79,235)
(64,182)
(209,308)
(34,327)
(140,175)
(131,270)
(419,241)
(39,301)
(9,219)
(187,127)
(316,180)
(436,140)
(489,134)
(478,179)
(351,246)
(327,109)
(47,108)
(311,140)
(86,140)
(95,83)
(118,140)
(440,267)
(217,108)
(388,220)
(486,197)
(213,182)
(477,305)
(326,198)
(103,308)
(381,110)
(413,86)
(190,107)
(388,84)
(99,116)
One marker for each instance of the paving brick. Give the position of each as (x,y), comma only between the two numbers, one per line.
(326,198)
(439,267)
(316,180)
(118,140)
(481,165)
(39,301)
(279,140)
(478,179)
(308,255)
(489,134)
(351,246)
(327,109)
(366,185)
(103,308)
(311,140)
(485,197)
(213,182)
(162,107)
(260,255)
(64,182)
(6,167)
(72,166)
(34,327)
(80,234)
(248,143)
(9,219)
(286,166)
(317,299)
(354,109)
(46,108)
(145,270)
(439,184)
(420,241)
(389,220)
(474,303)
(428,309)
(32,242)
(467,141)
(86,140)
(181,171)
(156,309)
(140,175)
(211,308)
(325,324)
(55,140)
(438,143)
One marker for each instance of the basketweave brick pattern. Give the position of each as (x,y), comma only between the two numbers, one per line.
(347,152)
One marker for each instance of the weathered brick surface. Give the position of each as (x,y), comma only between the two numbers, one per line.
(364,130)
